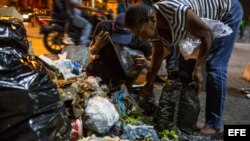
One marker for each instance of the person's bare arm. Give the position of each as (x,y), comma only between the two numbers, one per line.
(159,53)
(198,28)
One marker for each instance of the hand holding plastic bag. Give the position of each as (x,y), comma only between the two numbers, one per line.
(129,64)
(140,61)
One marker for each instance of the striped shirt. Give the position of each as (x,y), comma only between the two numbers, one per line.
(175,12)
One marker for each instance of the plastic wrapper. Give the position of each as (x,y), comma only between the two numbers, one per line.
(68,68)
(30,106)
(100,115)
(188,46)
(125,102)
(13,33)
(77,129)
(141,132)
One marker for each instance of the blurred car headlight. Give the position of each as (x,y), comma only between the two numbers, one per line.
(25,16)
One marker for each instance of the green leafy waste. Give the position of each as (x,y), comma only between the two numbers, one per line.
(169,135)
(133,118)
(136,118)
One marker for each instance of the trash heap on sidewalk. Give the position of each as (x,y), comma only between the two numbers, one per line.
(53,99)
(96,113)
(93,110)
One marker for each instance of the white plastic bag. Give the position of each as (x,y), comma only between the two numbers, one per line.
(65,66)
(219,29)
(100,115)
(188,46)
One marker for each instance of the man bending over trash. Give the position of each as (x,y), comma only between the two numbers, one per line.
(105,62)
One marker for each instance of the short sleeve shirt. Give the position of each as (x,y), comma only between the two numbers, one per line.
(175,12)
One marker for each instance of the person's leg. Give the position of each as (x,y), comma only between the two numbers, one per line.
(217,63)
(86,32)
(66,39)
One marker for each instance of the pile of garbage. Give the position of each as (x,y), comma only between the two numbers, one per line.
(97,113)
(94,110)
(53,99)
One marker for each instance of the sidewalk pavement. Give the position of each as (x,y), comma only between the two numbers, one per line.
(33,31)
(238,61)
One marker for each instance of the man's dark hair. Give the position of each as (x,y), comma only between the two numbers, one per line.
(137,15)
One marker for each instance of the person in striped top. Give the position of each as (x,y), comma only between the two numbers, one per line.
(168,21)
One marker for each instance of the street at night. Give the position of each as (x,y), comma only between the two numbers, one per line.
(124,70)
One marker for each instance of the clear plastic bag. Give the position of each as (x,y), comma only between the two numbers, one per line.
(125,56)
(189,45)
(218,28)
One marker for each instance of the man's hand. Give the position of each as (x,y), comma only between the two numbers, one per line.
(101,39)
(141,61)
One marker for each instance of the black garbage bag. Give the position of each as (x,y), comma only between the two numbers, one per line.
(179,106)
(13,34)
(30,109)
(196,136)
(189,107)
(167,110)
(148,104)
